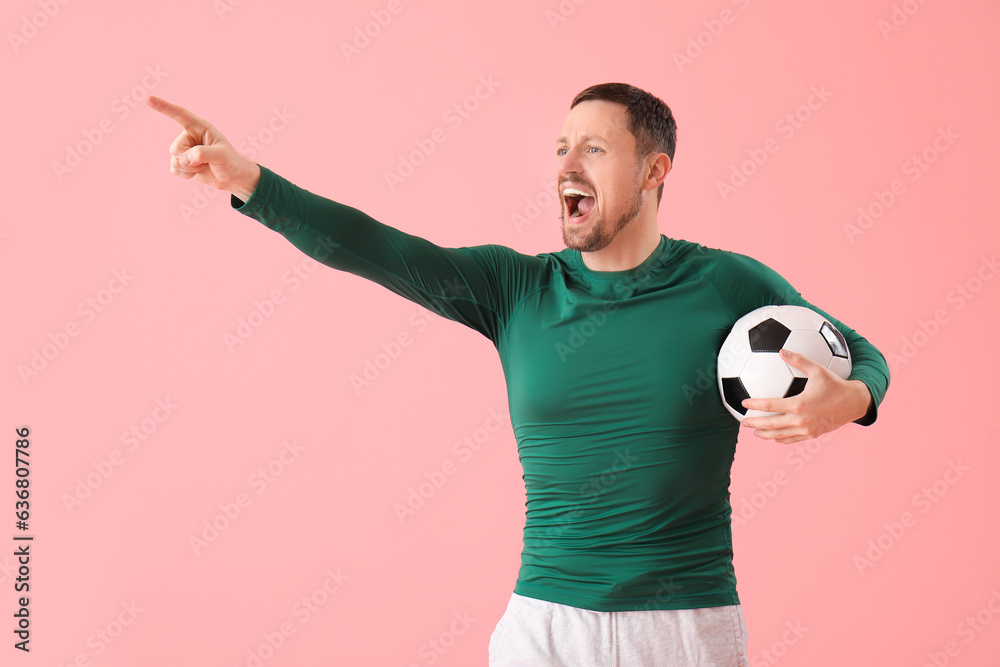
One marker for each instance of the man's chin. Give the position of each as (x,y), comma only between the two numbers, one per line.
(580,238)
(579,229)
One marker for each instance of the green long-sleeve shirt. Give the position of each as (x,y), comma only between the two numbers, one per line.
(626,449)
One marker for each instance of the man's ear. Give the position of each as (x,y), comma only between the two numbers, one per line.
(659,168)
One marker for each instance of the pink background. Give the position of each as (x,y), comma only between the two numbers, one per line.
(192,275)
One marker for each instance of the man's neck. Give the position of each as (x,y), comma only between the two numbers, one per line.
(627,251)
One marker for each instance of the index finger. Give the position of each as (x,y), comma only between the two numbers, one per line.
(775,404)
(186,119)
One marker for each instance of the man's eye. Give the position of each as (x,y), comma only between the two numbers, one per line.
(559,151)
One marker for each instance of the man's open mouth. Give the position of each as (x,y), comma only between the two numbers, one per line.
(578,202)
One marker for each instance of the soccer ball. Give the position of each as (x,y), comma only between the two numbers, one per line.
(749,365)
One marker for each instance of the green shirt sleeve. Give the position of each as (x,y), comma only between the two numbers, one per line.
(462,284)
(747,284)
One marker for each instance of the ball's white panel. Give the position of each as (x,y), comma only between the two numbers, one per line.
(765,375)
(812,345)
(799,317)
(841,367)
(733,354)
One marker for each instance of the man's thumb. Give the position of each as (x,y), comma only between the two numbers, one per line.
(201,155)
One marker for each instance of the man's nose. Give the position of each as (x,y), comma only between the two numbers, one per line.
(569,161)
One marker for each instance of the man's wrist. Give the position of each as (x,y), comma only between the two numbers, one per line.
(244,187)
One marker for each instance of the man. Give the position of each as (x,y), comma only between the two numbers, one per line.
(627,555)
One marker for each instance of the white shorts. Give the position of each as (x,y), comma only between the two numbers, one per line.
(538,633)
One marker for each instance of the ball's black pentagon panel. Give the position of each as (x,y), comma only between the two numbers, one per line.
(835,339)
(735,393)
(768,336)
(796,387)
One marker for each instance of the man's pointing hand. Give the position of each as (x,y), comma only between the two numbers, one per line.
(201,152)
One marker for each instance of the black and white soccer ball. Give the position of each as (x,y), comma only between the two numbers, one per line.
(749,365)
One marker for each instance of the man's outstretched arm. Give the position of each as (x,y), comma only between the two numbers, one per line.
(466,284)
